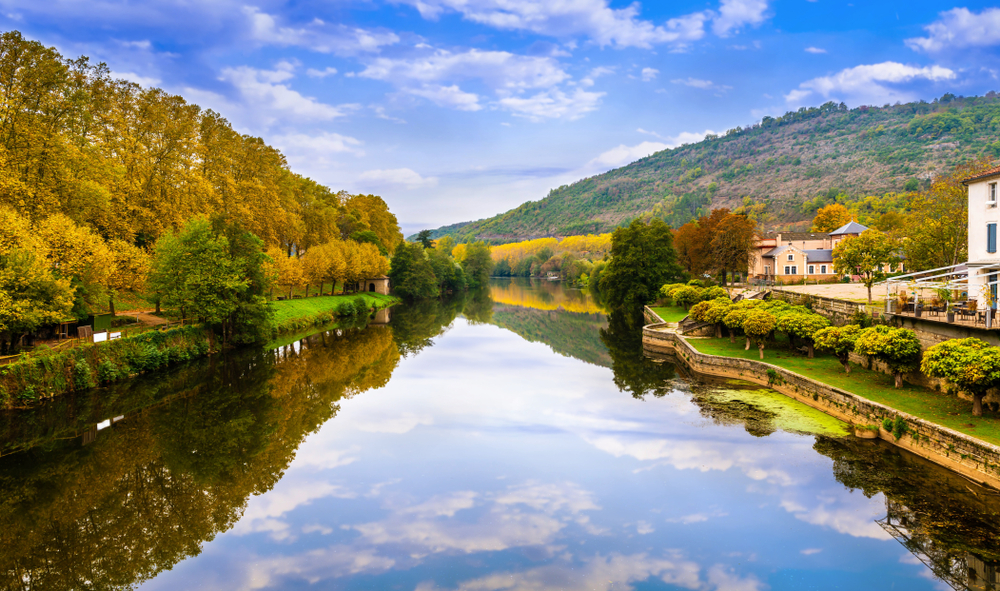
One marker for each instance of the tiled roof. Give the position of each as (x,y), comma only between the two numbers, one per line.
(819,255)
(793,236)
(986,173)
(776,251)
(850,227)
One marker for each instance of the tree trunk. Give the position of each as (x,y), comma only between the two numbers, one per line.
(846,362)
(747,348)
(321,288)
(289,292)
(157,305)
(811,350)
(732,336)
(899,379)
(111,304)
(718,331)
(760,347)
(307,290)
(869,298)
(977,405)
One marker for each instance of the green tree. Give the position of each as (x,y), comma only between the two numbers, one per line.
(424,238)
(758,324)
(30,296)
(642,259)
(866,255)
(972,365)
(478,264)
(898,348)
(840,341)
(411,274)
(802,325)
(713,311)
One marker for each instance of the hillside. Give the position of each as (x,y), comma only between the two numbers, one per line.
(781,169)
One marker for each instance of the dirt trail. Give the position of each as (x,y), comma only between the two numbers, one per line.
(148,318)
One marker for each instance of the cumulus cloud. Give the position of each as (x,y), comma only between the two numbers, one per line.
(314,73)
(263,512)
(499,69)
(701,84)
(553,104)
(327,142)
(317,35)
(594,19)
(404,177)
(622,155)
(267,92)
(140,80)
(649,74)
(447,96)
(735,14)
(959,28)
(815,50)
(875,83)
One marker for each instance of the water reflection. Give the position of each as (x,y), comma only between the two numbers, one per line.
(451,449)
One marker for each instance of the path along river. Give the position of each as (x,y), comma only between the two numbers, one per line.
(506,441)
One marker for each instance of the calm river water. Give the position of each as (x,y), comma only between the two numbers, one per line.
(513,440)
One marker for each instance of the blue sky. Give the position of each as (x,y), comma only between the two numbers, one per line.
(460,109)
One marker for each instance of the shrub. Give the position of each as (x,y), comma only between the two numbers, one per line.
(82,380)
(757,325)
(898,348)
(687,296)
(108,372)
(802,325)
(969,364)
(840,341)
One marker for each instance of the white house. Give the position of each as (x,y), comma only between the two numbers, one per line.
(984,216)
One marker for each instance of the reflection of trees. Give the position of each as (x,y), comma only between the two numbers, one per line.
(415,325)
(155,486)
(478,307)
(757,421)
(634,372)
(543,295)
(946,521)
(572,334)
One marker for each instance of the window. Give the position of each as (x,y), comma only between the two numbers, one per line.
(795,270)
(822,269)
(991,238)
(788,270)
(812,270)
(791,257)
(767,269)
(991,198)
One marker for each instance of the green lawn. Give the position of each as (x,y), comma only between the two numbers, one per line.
(301,308)
(949,411)
(670,313)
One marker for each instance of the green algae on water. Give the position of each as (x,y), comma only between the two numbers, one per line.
(763,411)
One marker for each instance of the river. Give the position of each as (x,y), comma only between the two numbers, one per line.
(511,440)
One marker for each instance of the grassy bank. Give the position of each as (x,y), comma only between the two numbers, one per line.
(670,313)
(943,409)
(295,315)
(45,374)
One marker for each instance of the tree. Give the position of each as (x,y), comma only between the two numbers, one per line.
(131,266)
(642,259)
(830,218)
(898,348)
(411,274)
(733,245)
(866,255)
(736,315)
(30,296)
(713,311)
(972,365)
(424,238)
(757,324)
(477,264)
(840,341)
(802,325)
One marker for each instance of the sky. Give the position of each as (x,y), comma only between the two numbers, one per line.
(454,110)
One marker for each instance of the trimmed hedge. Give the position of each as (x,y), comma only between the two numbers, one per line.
(44,375)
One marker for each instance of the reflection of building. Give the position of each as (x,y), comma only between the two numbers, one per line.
(382,318)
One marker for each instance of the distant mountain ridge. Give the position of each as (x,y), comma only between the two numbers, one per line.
(780,170)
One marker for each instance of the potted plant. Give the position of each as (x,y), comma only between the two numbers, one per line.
(945,295)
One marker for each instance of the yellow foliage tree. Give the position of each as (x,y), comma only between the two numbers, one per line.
(830,218)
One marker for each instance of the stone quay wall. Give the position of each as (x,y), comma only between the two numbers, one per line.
(977,460)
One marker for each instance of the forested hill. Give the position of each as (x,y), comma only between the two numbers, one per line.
(781,170)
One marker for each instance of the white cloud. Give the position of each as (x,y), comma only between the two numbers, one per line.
(317,35)
(499,69)
(622,155)
(701,84)
(869,83)
(447,96)
(405,422)
(594,19)
(959,28)
(815,50)
(262,512)
(724,580)
(411,180)
(734,14)
(553,104)
(643,527)
(325,563)
(595,74)
(310,146)
(810,551)
(268,97)
(313,73)
(140,80)
(649,74)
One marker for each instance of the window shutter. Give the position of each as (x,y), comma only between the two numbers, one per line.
(991,238)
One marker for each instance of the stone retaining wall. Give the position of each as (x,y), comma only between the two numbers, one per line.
(977,460)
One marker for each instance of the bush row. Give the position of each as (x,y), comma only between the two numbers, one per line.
(46,374)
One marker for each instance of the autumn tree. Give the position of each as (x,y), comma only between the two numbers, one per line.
(898,348)
(802,325)
(131,266)
(840,341)
(866,255)
(732,246)
(757,325)
(972,365)
(830,218)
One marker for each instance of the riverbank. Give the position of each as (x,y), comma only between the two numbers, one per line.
(298,314)
(974,455)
